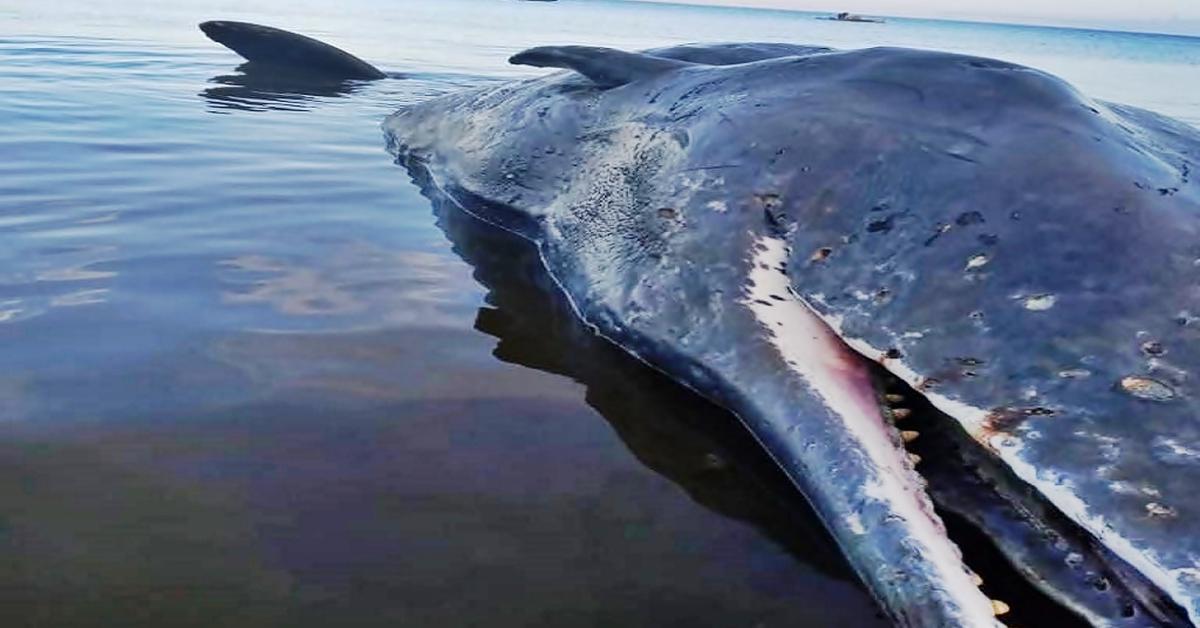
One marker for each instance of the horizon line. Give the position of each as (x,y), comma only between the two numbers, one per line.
(1130,30)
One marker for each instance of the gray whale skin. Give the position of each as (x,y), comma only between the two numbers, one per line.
(776,226)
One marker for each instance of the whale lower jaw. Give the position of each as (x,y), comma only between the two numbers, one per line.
(816,356)
(887,527)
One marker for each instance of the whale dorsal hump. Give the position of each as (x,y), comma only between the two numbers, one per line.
(606,67)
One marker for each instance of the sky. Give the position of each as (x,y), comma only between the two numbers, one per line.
(1175,16)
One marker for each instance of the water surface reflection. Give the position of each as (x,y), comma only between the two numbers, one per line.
(256,88)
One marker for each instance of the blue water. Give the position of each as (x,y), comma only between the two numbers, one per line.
(247,377)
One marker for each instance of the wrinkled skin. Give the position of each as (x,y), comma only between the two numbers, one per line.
(1020,254)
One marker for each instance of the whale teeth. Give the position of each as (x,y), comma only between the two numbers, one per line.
(894,398)
(976,579)
(914,458)
(909,436)
(900,414)
(999,608)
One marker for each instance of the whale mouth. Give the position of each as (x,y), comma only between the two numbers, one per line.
(1023,549)
(928,468)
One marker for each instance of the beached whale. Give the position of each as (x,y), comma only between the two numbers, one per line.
(836,245)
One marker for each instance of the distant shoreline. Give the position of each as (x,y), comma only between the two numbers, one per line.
(1193,33)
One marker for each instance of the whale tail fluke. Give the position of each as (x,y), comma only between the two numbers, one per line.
(265,46)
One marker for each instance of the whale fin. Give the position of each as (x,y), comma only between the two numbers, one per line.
(266,46)
(606,67)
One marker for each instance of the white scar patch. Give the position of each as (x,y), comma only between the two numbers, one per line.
(835,373)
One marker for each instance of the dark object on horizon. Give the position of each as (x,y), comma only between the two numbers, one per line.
(273,48)
(851,17)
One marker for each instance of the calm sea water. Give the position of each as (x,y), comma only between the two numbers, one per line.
(249,377)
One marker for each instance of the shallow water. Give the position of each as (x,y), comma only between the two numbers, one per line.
(250,377)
